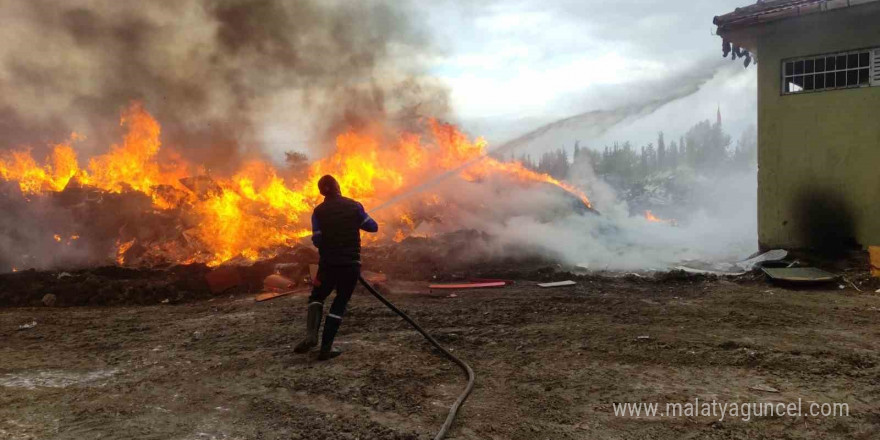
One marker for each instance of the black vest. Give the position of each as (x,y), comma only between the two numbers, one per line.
(339,220)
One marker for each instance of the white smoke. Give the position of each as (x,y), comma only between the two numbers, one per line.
(718,223)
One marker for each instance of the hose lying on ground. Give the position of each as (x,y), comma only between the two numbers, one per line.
(467,368)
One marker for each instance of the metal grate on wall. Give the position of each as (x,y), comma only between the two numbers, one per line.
(875,66)
(832,71)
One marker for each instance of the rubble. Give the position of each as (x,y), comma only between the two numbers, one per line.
(413,259)
(49,300)
(733,268)
(104,286)
(557,284)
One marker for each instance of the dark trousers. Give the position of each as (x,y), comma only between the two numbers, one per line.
(343,279)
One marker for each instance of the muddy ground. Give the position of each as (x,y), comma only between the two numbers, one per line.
(550,364)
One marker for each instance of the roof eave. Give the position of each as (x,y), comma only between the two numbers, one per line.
(751,16)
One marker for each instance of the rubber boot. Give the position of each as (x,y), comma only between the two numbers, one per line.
(331,326)
(313,323)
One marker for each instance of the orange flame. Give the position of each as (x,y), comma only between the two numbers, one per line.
(255,209)
(121,249)
(649,216)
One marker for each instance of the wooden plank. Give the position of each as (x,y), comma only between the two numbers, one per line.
(467,285)
(489,280)
(557,284)
(272,295)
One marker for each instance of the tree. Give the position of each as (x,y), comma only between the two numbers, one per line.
(745,155)
(661,153)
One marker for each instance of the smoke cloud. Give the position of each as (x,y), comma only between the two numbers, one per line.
(227,78)
(717,224)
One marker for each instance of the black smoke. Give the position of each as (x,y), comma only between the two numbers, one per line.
(211,71)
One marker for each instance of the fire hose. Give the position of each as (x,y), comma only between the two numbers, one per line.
(453,411)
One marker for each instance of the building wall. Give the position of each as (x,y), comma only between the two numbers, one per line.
(819,152)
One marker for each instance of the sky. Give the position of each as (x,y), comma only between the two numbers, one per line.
(513,65)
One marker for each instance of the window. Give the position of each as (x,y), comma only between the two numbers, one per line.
(831,71)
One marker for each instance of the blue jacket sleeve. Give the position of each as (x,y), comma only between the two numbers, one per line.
(367,222)
(316,231)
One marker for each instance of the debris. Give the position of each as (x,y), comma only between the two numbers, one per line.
(765,388)
(27,326)
(800,275)
(732,268)
(852,284)
(165,301)
(272,295)
(490,280)
(643,338)
(223,278)
(64,275)
(558,284)
(203,186)
(49,300)
(452,295)
(467,285)
(705,269)
(750,263)
(288,270)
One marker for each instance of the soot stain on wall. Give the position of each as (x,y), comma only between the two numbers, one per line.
(826,221)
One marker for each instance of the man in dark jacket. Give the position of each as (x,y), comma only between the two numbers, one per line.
(336,226)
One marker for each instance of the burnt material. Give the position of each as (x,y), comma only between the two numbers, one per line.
(105,286)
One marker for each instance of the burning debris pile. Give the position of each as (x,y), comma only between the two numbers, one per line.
(141,204)
(446,256)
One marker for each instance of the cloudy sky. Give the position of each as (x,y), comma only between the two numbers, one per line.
(513,65)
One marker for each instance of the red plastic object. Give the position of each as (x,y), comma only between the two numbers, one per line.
(467,285)
(278,282)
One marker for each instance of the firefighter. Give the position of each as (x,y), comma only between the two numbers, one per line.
(336,226)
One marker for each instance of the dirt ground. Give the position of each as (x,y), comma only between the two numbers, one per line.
(550,364)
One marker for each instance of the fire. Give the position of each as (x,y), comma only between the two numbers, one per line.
(60,167)
(256,209)
(649,216)
(57,238)
(121,249)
